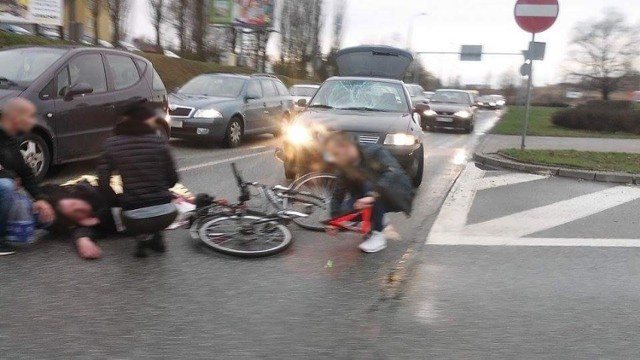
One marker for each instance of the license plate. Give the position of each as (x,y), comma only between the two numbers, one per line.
(444,119)
(176,124)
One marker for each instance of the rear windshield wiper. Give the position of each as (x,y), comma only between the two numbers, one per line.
(321,106)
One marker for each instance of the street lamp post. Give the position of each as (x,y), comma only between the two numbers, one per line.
(411,23)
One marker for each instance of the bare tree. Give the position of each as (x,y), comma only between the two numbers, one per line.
(179,11)
(199,28)
(118,11)
(300,31)
(157,17)
(509,85)
(603,51)
(95,7)
(339,12)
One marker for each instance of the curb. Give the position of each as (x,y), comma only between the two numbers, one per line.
(501,161)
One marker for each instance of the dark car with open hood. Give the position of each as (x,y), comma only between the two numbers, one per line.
(80,93)
(368,100)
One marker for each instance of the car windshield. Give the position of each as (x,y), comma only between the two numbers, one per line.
(214,85)
(451,97)
(366,95)
(303,91)
(415,90)
(22,66)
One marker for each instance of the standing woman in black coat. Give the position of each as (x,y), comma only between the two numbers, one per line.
(144,162)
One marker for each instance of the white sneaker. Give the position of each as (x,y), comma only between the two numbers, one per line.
(374,243)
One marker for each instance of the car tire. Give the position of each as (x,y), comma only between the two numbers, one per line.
(234,133)
(37,154)
(417,177)
(280,127)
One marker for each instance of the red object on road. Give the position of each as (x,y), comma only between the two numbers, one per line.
(536,16)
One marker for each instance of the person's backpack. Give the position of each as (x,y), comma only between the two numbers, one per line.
(21,224)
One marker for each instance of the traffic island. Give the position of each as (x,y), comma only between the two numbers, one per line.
(622,168)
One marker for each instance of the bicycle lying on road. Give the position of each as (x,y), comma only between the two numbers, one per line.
(236,230)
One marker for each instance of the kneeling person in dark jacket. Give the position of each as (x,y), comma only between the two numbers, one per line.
(368,177)
(144,161)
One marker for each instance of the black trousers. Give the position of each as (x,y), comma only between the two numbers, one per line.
(148,226)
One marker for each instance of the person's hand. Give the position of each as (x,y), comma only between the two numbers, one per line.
(365,202)
(87,249)
(45,212)
(331,230)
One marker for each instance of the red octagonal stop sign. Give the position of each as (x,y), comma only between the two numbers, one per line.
(536,16)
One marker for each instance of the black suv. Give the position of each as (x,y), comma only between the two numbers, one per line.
(226,107)
(79,93)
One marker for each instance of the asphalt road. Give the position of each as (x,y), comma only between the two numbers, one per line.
(320,299)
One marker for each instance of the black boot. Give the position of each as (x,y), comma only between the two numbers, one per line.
(141,248)
(157,243)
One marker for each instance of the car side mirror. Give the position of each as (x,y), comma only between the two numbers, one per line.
(302,103)
(77,89)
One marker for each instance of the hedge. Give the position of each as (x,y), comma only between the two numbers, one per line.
(599,119)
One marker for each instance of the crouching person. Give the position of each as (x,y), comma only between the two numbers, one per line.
(368,176)
(18,118)
(144,162)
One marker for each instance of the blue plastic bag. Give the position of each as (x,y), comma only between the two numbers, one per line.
(21,224)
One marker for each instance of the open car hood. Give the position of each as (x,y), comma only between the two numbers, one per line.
(373,61)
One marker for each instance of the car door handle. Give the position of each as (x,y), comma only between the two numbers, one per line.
(108,107)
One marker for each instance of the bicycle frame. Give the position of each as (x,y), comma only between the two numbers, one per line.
(348,221)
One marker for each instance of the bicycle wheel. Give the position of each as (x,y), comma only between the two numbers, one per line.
(318,184)
(241,236)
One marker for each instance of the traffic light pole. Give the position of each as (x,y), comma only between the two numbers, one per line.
(523,145)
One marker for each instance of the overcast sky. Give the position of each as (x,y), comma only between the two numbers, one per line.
(450,24)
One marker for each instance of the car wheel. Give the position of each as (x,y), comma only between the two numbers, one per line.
(280,127)
(36,154)
(417,177)
(233,135)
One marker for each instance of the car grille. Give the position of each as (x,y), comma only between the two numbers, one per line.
(368,139)
(448,113)
(181,112)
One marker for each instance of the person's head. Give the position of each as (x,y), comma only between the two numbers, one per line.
(340,149)
(18,116)
(141,112)
(72,205)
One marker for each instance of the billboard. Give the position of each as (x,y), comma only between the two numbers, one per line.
(247,13)
(43,12)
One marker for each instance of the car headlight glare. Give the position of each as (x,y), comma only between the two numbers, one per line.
(429,113)
(492,104)
(298,134)
(400,139)
(207,114)
(463,114)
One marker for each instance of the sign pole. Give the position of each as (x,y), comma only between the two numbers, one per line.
(523,145)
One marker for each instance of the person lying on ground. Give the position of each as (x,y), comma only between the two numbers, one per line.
(368,176)
(18,117)
(83,213)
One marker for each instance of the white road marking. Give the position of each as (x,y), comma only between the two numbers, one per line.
(453,214)
(508,179)
(457,240)
(450,226)
(547,217)
(218,162)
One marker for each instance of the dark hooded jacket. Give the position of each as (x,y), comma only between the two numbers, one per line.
(143,160)
(379,168)
(12,165)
